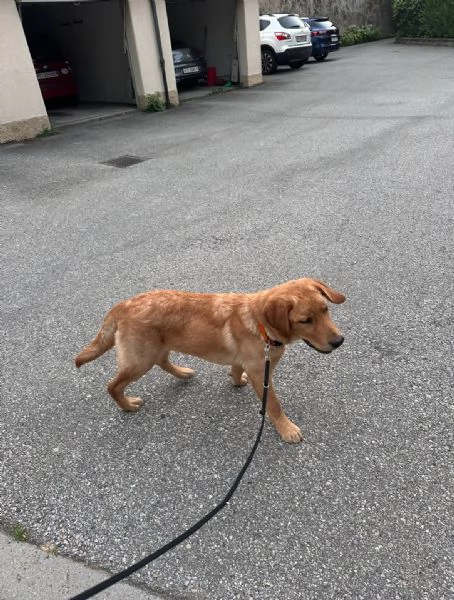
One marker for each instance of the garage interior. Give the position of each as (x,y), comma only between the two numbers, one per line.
(90,35)
(209,26)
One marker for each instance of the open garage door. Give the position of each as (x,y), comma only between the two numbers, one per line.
(89,35)
(208,26)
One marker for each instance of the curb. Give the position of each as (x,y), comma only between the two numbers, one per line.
(29,573)
(446,42)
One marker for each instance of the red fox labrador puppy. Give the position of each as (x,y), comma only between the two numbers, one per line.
(228,329)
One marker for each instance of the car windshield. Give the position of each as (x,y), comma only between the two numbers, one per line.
(181,55)
(44,49)
(322,24)
(291,22)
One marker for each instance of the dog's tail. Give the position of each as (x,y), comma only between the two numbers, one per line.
(105,340)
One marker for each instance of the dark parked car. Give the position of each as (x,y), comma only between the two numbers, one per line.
(55,75)
(190,65)
(324,35)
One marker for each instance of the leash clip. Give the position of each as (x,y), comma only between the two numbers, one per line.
(266,377)
(267,351)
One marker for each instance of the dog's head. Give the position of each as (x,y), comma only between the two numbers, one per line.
(298,310)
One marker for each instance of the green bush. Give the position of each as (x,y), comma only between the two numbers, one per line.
(424,18)
(407,16)
(438,18)
(357,34)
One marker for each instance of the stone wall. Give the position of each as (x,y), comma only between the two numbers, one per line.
(342,12)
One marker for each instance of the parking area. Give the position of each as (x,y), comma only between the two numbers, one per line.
(327,172)
(86,112)
(62,30)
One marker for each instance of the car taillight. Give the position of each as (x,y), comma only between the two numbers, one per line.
(314,33)
(280,35)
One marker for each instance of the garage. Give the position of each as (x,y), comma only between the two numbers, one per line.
(116,53)
(83,39)
(209,26)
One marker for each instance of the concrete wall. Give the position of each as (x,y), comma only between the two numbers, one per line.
(342,12)
(22,111)
(143,51)
(91,36)
(248,41)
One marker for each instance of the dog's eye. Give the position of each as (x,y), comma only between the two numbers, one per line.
(306,321)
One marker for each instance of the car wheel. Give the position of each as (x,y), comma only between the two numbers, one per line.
(269,63)
(296,65)
(321,57)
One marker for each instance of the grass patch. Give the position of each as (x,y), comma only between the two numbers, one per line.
(47,132)
(20,534)
(50,549)
(154,103)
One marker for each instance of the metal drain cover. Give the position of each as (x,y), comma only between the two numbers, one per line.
(126,160)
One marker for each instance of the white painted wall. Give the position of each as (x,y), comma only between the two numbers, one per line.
(91,36)
(143,51)
(248,34)
(22,111)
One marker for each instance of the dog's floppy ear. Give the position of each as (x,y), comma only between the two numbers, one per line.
(329,293)
(277,314)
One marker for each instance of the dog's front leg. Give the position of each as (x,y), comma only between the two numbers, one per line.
(238,375)
(288,431)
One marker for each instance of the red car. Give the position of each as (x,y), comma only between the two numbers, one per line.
(55,75)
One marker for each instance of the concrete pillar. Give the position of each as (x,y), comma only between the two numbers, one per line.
(22,111)
(248,40)
(143,51)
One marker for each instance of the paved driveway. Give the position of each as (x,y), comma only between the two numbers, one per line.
(343,171)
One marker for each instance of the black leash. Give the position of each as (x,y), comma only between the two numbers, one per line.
(175,542)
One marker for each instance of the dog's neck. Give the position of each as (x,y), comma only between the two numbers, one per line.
(266,337)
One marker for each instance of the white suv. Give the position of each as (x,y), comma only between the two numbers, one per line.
(285,40)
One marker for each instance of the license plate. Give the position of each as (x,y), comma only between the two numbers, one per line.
(334,38)
(47,75)
(301,38)
(191,70)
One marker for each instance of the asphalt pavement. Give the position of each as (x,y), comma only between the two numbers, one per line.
(343,171)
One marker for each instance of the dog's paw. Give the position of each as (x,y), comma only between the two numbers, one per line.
(242,381)
(239,381)
(132,403)
(186,372)
(289,432)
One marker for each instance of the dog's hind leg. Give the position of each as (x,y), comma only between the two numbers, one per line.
(133,362)
(179,372)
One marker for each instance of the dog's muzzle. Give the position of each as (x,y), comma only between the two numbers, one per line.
(334,343)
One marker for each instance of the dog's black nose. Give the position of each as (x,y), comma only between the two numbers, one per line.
(337,341)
